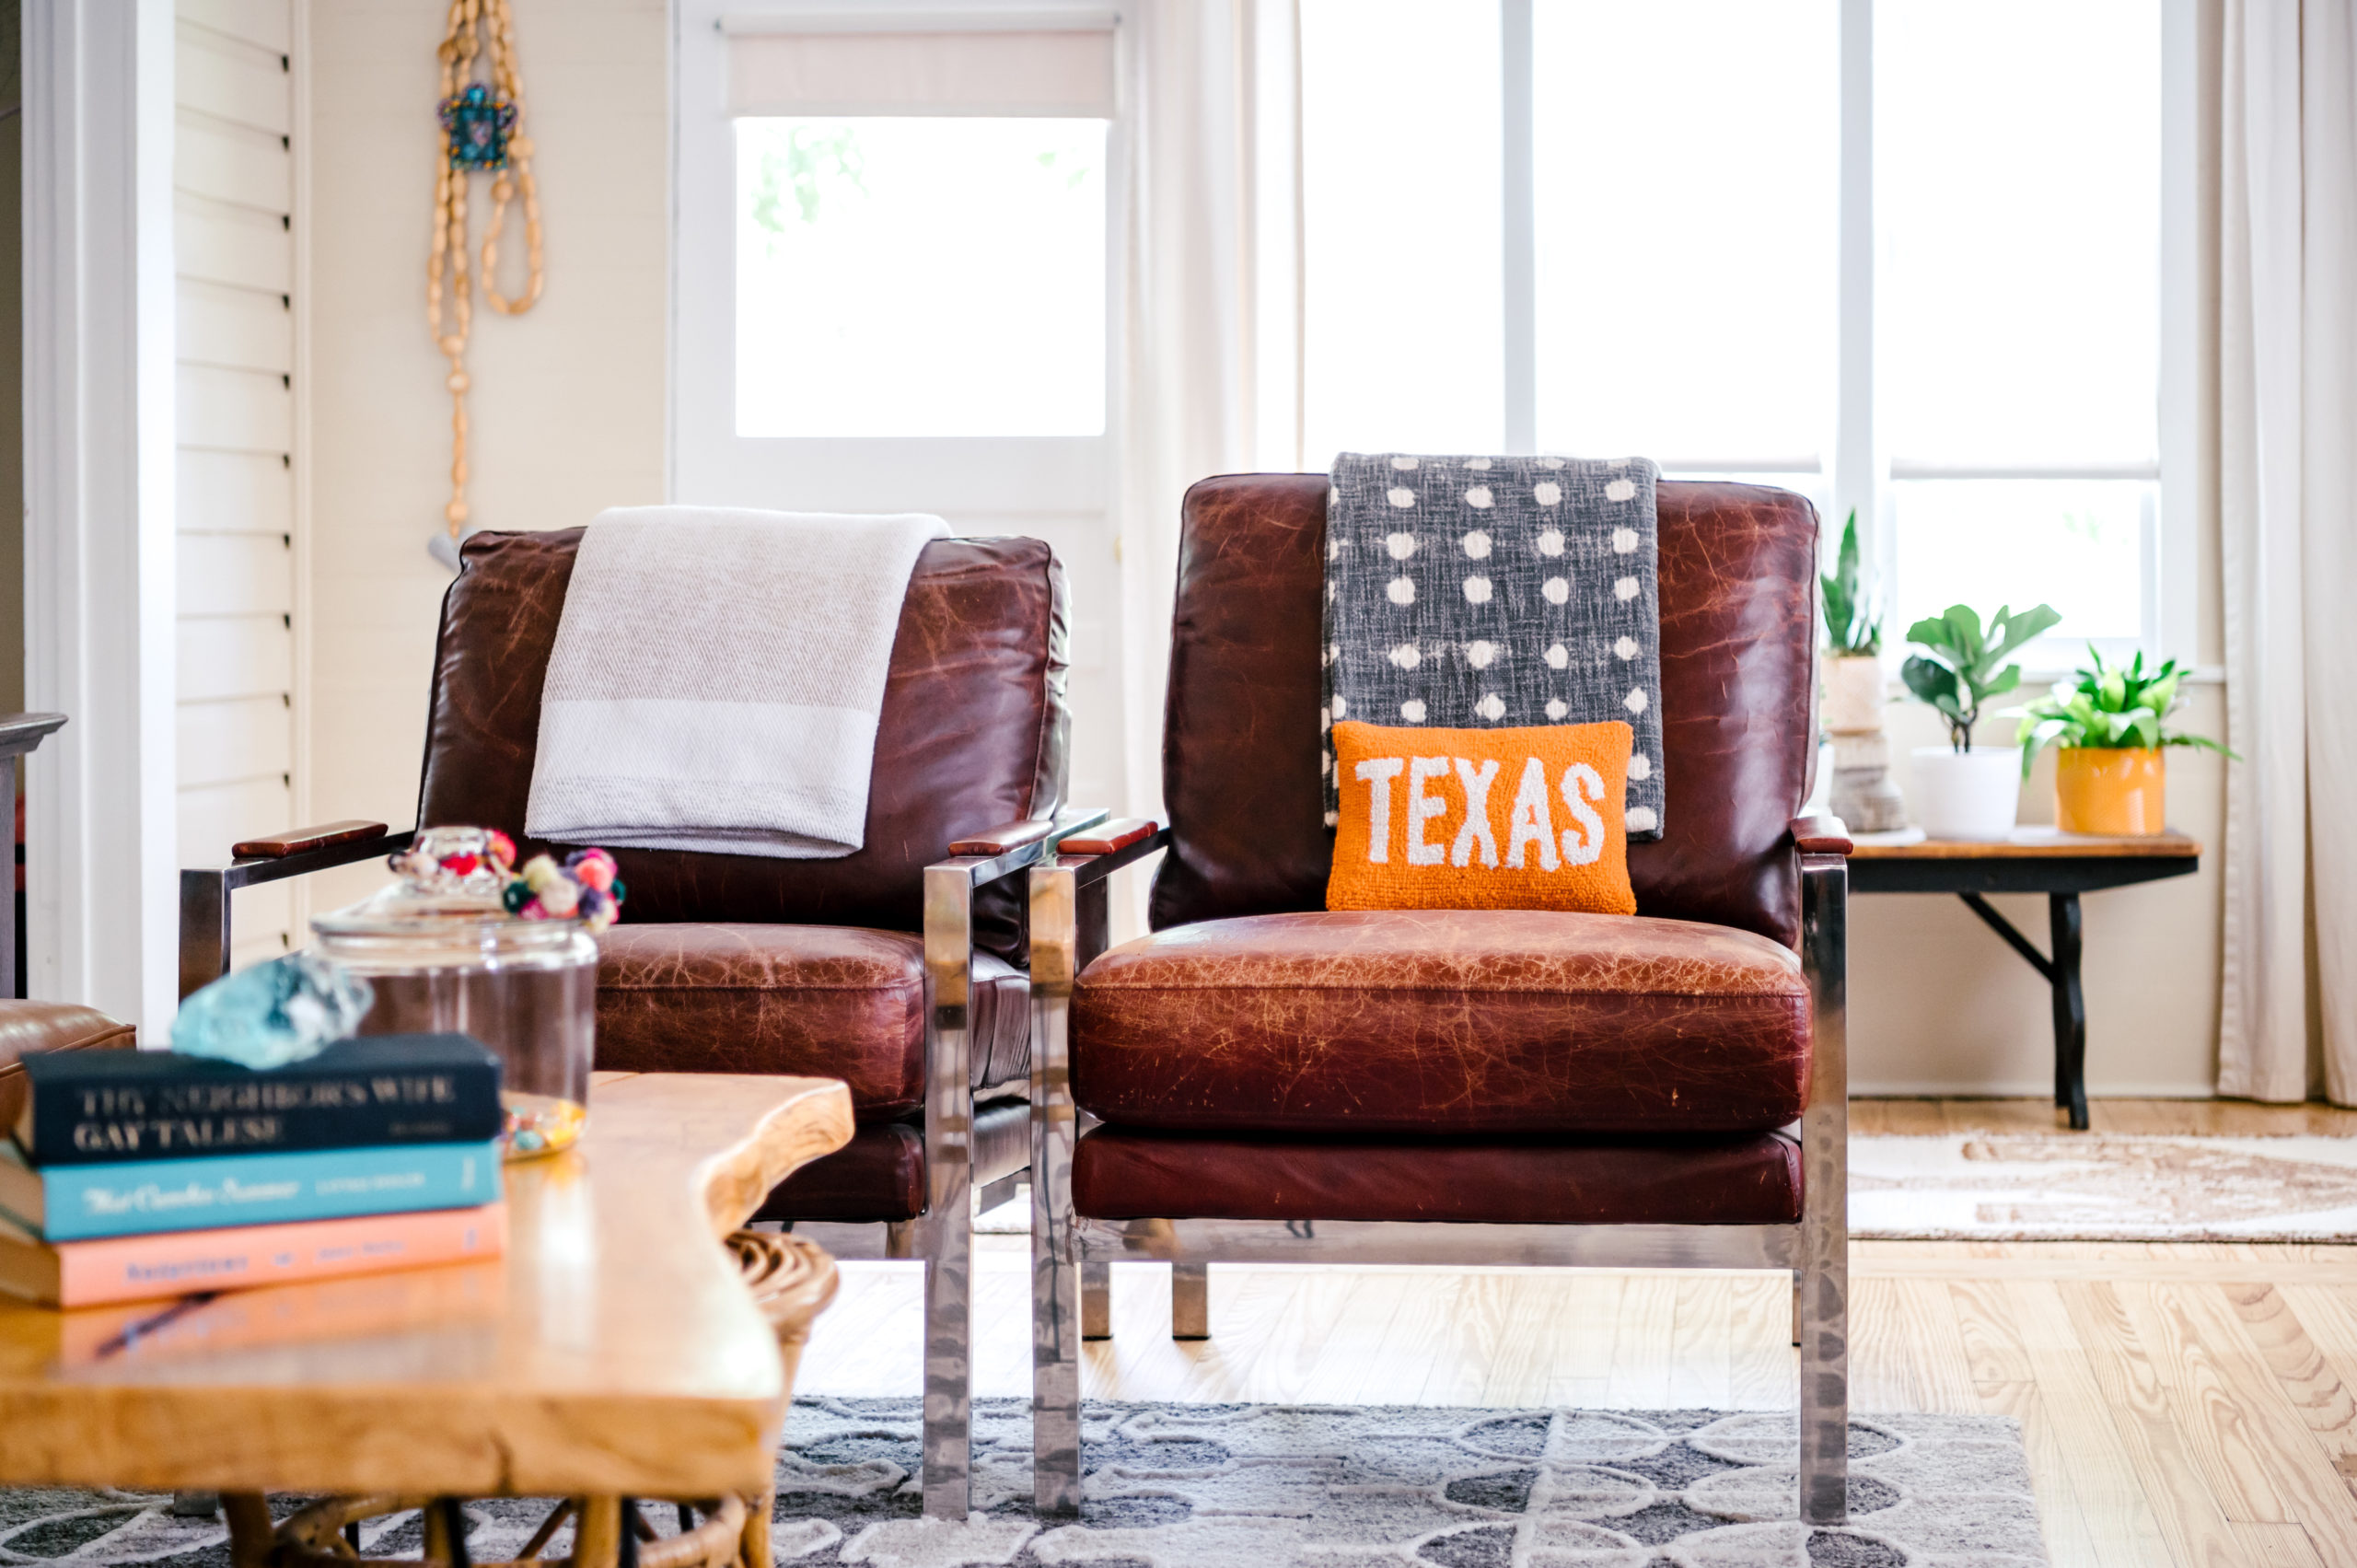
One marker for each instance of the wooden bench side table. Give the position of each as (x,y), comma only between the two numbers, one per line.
(2033,860)
(615,1352)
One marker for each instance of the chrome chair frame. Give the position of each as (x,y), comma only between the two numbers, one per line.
(943,1236)
(1070,1256)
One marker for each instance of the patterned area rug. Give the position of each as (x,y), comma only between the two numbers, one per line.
(1262,1486)
(2102,1187)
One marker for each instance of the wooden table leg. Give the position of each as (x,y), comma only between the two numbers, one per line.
(251,1535)
(753,1547)
(598,1533)
(2070,1008)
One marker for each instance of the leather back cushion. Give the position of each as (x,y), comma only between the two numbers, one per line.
(1738,637)
(974,733)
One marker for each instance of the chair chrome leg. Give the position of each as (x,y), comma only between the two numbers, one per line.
(1796,1309)
(1825,1220)
(1064,1308)
(1096,1300)
(1190,1301)
(947,1235)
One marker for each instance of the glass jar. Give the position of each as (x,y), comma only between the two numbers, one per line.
(445,956)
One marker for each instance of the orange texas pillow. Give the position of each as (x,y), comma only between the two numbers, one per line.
(1547,830)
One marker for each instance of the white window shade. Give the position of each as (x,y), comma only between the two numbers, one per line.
(1014,73)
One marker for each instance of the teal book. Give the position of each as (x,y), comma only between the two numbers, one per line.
(82,1203)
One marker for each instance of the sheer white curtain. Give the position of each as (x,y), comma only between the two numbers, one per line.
(1211,373)
(2288,508)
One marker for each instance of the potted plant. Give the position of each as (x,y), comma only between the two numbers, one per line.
(2111,724)
(1963,791)
(1861,794)
(1853,644)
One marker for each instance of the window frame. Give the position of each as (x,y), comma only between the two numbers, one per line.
(1859,473)
(706,461)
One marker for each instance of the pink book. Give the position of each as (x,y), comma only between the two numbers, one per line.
(138,1268)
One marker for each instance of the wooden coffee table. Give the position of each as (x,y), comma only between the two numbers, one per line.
(2033,860)
(614,1352)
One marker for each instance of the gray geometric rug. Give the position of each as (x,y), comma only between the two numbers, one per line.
(1271,1486)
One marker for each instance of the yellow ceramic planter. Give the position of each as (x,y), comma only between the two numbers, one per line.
(2115,791)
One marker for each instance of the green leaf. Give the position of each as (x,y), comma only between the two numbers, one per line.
(2018,629)
(1964,633)
(1933,683)
(1932,632)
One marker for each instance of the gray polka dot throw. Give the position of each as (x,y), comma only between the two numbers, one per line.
(1468,593)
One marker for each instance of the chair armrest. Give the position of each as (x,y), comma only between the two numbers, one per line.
(1108,838)
(1821,835)
(983,858)
(204,890)
(1093,855)
(300,840)
(1008,836)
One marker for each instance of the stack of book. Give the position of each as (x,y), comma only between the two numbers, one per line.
(134,1174)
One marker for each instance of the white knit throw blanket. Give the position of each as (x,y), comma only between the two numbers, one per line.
(716,679)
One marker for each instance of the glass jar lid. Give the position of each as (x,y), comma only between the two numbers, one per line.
(448,908)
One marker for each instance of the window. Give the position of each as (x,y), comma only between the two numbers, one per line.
(920,277)
(1897,255)
(2017,204)
(891,254)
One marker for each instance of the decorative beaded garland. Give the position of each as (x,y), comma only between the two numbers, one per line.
(482,125)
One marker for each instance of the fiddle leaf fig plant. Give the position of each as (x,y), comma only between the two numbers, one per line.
(2109,707)
(1958,668)
(1849,625)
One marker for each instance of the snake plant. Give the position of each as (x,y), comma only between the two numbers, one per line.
(1850,627)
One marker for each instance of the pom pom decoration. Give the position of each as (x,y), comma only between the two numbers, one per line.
(583,888)
(482,861)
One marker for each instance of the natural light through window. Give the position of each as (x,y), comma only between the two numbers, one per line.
(1400,193)
(1686,172)
(2017,208)
(921,277)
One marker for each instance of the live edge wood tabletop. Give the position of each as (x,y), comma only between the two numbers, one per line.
(614,1349)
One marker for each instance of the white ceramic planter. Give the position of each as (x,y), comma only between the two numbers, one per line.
(1967,795)
(1853,692)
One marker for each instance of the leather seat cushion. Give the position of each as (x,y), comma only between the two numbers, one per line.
(30,1026)
(1744,1179)
(1439,1023)
(879,1175)
(833,1001)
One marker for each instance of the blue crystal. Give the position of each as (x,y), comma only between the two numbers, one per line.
(285,1010)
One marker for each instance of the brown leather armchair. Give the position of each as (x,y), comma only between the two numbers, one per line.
(1267,1081)
(897,970)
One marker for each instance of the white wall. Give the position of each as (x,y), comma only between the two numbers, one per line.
(567,406)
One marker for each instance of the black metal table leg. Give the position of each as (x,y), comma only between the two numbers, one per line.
(2070,1008)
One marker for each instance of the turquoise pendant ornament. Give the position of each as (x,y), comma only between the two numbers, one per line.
(478,126)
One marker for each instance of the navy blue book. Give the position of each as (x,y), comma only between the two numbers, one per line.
(95,1107)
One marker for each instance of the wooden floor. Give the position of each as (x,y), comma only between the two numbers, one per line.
(2190,1404)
